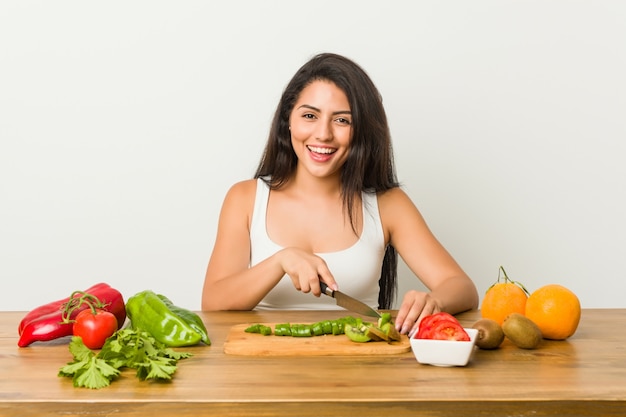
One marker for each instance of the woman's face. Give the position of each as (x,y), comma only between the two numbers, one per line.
(321,128)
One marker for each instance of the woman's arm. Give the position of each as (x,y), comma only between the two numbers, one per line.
(451,290)
(230,284)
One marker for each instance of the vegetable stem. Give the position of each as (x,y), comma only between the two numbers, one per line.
(77,299)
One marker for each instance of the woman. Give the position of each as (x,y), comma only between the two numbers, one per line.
(325,204)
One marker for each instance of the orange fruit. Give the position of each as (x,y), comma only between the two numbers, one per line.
(503,298)
(555,309)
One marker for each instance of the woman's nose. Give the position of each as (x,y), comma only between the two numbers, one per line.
(324,131)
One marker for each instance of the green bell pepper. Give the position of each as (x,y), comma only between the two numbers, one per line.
(149,312)
(190,317)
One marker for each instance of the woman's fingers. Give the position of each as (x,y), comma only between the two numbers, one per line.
(306,270)
(415,306)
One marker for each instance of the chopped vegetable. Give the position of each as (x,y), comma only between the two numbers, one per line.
(377,334)
(126,348)
(282,329)
(330,327)
(358,332)
(259,328)
(354,328)
(301,330)
(441,326)
(384,319)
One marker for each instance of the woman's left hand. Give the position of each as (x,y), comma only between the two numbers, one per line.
(415,306)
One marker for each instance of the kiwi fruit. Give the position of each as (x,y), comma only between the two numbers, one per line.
(490,334)
(391,331)
(376,334)
(522,331)
(357,333)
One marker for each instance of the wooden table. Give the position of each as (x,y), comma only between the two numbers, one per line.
(583,376)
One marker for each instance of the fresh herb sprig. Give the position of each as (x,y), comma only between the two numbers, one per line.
(126,348)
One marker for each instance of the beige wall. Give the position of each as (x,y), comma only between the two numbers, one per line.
(122,125)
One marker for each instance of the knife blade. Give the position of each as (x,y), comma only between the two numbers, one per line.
(349,303)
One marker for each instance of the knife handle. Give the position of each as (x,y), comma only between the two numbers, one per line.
(325,289)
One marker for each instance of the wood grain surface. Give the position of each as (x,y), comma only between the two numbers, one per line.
(582,376)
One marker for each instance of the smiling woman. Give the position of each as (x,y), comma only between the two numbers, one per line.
(325,205)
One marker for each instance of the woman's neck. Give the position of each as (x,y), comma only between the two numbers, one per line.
(308,184)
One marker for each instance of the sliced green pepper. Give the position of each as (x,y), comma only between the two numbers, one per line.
(259,328)
(150,313)
(328,327)
(282,329)
(318,329)
(301,330)
(337,328)
(325,327)
(253,329)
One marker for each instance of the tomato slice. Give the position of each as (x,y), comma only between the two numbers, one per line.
(426,325)
(441,326)
(449,330)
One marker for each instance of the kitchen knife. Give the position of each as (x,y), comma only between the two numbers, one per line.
(348,302)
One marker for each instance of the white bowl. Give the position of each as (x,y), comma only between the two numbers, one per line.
(444,352)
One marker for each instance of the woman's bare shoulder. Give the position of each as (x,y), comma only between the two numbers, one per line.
(396,207)
(245,187)
(392,197)
(241,193)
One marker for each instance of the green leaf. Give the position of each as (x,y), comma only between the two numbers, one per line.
(97,374)
(106,369)
(149,347)
(112,345)
(116,360)
(161,371)
(79,350)
(73,367)
(157,368)
(171,353)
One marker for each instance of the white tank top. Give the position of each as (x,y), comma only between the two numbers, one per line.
(356,269)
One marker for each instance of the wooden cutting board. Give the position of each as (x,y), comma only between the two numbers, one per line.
(238,342)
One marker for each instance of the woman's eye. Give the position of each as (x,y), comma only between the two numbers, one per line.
(343,120)
(308,116)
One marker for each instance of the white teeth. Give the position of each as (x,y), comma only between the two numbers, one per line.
(321,150)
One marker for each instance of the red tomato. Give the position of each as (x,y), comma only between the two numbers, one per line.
(441,326)
(94,329)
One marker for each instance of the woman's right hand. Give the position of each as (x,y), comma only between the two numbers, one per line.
(306,270)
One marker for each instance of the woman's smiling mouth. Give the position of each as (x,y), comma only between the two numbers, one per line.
(321,153)
(321,150)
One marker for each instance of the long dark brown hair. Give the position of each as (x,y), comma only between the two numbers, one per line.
(369,167)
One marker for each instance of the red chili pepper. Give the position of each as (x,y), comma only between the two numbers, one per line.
(51,321)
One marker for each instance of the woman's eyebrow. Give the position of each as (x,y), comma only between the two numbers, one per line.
(308,106)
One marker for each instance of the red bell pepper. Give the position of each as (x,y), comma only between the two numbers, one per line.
(54,306)
(51,321)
